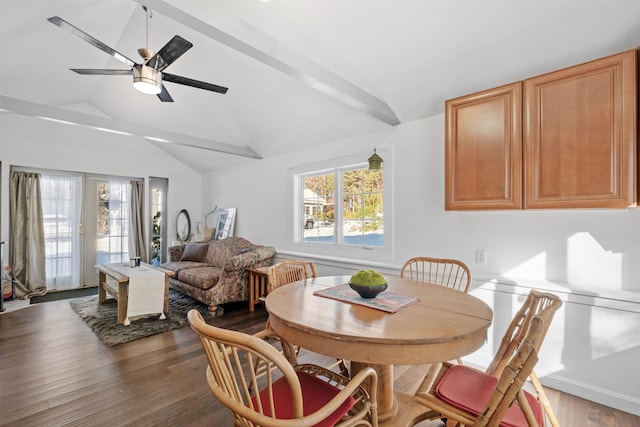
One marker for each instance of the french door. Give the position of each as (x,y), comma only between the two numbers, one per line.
(86,220)
(62,214)
(106,228)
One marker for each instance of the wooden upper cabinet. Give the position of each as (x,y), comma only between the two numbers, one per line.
(483,150)
(580,135)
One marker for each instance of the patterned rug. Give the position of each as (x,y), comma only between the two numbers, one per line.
(102,318)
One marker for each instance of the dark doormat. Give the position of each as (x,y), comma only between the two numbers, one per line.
(70,293)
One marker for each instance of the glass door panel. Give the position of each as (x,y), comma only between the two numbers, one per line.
(107,207)
(158,209)
(62,212)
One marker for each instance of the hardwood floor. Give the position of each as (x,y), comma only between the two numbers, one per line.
(55,372)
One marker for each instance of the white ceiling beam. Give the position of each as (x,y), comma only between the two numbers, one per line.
(61,115)
(261,47)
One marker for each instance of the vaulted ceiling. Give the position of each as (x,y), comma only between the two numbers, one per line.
(300,73)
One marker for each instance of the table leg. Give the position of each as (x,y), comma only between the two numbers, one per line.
(102,293)
(409,412)
(123,301)
(166,295)
(387,405)
(252,295)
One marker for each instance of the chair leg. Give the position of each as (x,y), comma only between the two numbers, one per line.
(343,367)
(290,352)
(544,400)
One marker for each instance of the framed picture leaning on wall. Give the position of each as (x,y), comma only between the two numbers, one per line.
(226,223)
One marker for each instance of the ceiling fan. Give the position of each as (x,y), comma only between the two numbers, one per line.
(148,75)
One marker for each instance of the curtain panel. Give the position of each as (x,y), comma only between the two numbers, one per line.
(26,234)
(137,244)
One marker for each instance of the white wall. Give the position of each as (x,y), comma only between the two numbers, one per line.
(591,258)
(33,142)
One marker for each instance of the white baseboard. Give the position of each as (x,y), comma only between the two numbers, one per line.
(595,394)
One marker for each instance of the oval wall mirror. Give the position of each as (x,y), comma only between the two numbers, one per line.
(183,226)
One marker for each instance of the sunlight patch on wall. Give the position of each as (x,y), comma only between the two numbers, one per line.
(590,266)
(613,332)
(535,268)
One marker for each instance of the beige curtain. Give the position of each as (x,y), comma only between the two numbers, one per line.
(26,235)
(137,243)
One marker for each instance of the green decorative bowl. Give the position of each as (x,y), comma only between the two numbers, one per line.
(367,291)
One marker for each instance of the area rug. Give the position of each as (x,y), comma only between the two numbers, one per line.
(102,318)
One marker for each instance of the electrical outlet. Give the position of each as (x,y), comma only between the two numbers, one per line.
(481,256)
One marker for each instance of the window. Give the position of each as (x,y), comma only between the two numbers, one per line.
(343,206)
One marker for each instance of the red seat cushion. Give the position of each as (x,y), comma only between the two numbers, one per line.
(316,393)
(469,389)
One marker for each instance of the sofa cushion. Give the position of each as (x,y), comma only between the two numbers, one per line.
(200,277)
(194,252)
(182,265)
(221,250)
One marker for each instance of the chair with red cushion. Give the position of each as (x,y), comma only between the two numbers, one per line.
(465,395)
(302,395)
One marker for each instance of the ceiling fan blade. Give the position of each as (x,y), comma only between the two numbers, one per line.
(164,95)
(171,51)
(194,83)
(101,72)
(56,20)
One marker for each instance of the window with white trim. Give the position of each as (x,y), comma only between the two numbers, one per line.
(341,206)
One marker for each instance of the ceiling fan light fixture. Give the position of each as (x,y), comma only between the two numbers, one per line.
(147,80)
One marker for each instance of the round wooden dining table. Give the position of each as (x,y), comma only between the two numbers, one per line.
(443,324)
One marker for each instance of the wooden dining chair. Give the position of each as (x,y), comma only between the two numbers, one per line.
(289,271)
(536,302)
(440,271)
(302,395)
(468,396)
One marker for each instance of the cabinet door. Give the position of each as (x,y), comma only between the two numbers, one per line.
(580,135)
(483,150)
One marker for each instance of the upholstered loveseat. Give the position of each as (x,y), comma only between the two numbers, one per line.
(216,272)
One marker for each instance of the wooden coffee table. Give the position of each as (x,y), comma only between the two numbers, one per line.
(115,279)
